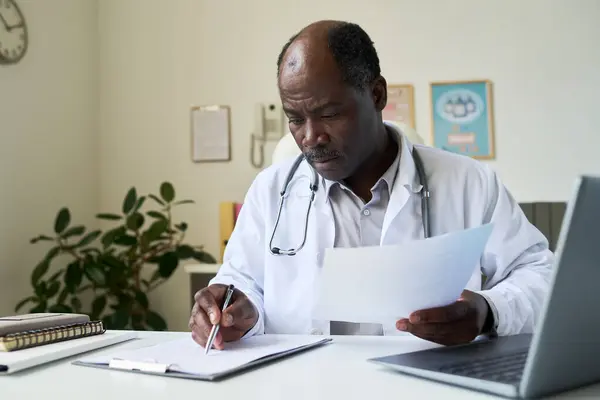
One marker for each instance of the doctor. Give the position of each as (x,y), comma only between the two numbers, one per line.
(368,192)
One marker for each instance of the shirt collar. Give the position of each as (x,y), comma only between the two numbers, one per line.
(401,172)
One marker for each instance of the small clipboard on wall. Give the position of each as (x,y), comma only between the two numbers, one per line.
(183,358)
(210,133)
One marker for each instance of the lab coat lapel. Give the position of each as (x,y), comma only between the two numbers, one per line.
(405,184)
(321,223)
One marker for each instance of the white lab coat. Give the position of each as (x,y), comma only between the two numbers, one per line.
(464,193)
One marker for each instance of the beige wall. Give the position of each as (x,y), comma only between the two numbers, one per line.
(48,136)
(156,59)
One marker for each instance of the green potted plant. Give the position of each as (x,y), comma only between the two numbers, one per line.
(118,267)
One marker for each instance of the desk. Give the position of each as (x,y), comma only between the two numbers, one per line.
(336,371)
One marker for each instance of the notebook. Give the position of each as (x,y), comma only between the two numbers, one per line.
(184,358)
(40,337)
(14,361)
(28,322)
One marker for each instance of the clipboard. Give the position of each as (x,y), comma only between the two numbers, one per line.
(12,362)
(210,133)
(137,364)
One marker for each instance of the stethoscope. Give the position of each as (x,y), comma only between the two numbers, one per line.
(313,189)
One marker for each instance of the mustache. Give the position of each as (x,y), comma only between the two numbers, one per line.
(320,153)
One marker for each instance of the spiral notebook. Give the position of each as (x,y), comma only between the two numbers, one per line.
(39,337)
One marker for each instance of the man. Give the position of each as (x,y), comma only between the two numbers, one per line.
(333,93)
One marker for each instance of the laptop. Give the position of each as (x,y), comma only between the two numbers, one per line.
(564,351)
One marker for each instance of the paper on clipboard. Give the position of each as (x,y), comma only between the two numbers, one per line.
(211,133)
(185,358)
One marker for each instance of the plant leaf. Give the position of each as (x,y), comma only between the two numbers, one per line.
(142,299)
(88,238)
(120,318)
(156,199)
(109,237)
(98,306)
(60,308)
(108,216)
(73,231)
(95,273)
(204,257)
(139,203)
(183,202)
(135,221)
(157,215)
(155,321)
(73,276)
(130,200)
(76,304)
(23,302)
(39,271)
(53,252)
(112,261)
(155,230)
(185,251)
(63,218)
(182,226)
(62,296)
(40,289)
(41,238)
(167,264)
(55,275)
(167,192)
(126,240)
(52,289)
(40,308)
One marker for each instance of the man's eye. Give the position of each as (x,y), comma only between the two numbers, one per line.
(329,115)
(295,121)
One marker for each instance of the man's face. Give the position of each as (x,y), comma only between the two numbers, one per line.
(331,122)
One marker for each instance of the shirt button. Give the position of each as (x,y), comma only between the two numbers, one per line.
(366,212)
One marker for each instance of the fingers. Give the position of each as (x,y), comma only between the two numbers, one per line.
(454,312)
(444,334)
(204,312)
(207,299)
(240,314)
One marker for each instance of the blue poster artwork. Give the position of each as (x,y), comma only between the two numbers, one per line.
(462,118)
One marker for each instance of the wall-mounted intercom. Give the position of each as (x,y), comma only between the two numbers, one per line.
(269,125)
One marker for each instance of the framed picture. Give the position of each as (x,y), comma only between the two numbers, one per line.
(400,104)
(462,118)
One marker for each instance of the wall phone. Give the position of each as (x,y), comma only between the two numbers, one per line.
(269,125)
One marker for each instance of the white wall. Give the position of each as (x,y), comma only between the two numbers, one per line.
(48,154)
(157,61)
(154,61)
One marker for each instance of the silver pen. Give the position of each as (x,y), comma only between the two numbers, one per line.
(215,328)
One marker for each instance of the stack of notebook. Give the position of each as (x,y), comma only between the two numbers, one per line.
(32,330)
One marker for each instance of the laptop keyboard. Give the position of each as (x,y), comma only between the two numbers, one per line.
(507,368)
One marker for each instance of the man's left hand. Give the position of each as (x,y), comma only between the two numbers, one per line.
(458,323)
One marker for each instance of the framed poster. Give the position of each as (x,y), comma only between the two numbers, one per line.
(462,118)
(400,105)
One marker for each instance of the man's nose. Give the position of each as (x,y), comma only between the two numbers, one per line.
(314,134)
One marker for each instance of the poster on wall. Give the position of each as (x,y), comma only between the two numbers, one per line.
(400,105)
(462,118)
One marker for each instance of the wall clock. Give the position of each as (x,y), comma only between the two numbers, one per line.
(13,33)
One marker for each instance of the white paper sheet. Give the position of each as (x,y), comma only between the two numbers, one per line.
(186,356)
(381,284)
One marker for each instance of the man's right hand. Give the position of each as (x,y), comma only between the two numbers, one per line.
(237,319)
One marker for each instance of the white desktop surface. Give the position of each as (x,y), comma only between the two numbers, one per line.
(336,371)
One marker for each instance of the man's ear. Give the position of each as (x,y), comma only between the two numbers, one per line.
(379,93)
